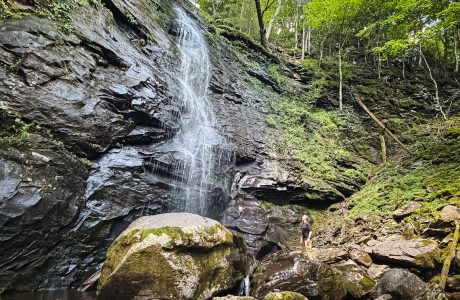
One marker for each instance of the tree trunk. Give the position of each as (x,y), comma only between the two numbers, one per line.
(340,79)
(213,8)
(379,66)
(457,59)
(420,54)
(404,69)
(321,52)
(436,97)
(260,18)
(272,19)
(383,147)
(446,43)
(303,42)
(309,41)
(296,33)
(241,17)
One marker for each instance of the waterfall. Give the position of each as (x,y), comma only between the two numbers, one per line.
(202,156)
(245,286)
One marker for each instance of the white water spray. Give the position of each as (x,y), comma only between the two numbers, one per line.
(200,149)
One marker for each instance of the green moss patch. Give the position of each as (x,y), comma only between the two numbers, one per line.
(430,175)
(317,139)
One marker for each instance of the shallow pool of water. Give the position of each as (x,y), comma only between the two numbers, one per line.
(51,295)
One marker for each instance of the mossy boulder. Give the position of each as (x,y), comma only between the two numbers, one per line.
(357,282)
(285,296)
(173,256)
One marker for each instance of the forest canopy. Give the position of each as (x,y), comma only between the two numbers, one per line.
(408,34)
(394,29)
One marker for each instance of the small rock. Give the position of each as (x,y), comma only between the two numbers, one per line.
(384,297)
(450,213)
(406,210)
(376,271)
(408,231)
(40,158)
(285,296)
(453,282)
(422,253)
(360,257)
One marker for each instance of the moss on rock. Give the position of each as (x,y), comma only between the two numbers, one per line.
(285,296)
(193,261)
(431,175)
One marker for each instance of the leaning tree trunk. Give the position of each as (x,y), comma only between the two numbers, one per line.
(260,18)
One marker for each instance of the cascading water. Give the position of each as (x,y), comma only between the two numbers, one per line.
(202,158)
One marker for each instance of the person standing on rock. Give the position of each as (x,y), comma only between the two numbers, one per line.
(306,236)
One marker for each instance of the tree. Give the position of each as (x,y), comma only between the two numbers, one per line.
(260,18)
(336,19)
(273,18)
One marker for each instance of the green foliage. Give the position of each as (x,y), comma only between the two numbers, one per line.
(13,127)
(59,11)
(86,161)
(332,16)
(394,29)
(275,73)
(8,11)
(394,48)
(432,175)
(131,18)
(315,138)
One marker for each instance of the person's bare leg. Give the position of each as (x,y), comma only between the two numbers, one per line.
(310,249)
(306,249)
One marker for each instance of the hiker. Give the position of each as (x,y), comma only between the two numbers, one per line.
(306,236)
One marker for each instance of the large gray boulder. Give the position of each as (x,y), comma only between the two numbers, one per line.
(173,256)
(422,253)
(402,284)
(292,272)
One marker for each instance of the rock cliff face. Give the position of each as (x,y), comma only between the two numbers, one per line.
(83,112)
(87,97)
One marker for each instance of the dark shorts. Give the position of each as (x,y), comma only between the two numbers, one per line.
(305,232)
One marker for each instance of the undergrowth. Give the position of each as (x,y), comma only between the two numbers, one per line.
(430,175)
(57,11)
(319,139)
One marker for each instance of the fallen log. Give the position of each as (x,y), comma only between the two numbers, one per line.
(450,257)
(376,120)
